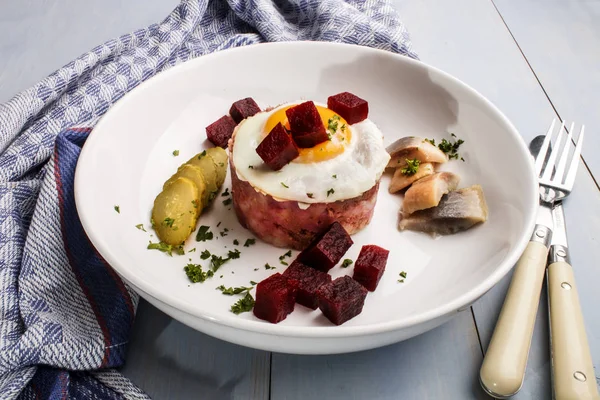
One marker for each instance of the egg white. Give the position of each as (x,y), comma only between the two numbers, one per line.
(349,174)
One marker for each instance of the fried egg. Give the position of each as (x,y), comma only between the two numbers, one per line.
(344,167)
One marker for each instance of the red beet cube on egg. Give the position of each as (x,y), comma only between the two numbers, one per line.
(243,109)
(309,280)
(306,125)
(350,107)
(278,148)
(327,249)
(342,299)
(370,265)
(220,131)
(275,298)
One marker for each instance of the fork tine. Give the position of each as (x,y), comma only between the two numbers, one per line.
(570,180)
(562,163)
(553,154)
(539,161)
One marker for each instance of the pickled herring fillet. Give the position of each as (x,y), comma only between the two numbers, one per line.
(427,192)
(459,210)
(412,147)
(401,181)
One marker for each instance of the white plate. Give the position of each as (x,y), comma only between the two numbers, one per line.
(129,155)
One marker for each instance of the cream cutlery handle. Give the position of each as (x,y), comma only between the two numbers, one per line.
(573,370)
(504,363)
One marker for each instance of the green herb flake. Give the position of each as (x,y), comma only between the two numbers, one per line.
(236,242)
(249,242)
(334,176)
(166,248)
(451,149)
(284,185)
(194,273)
(227,201)
(283,262)
(205,255)
(192,250)
(412,166)
(225,193)
(253,283)
(430,141)
(219,224)
(224,232)
(330,191)
(332,125)
(346,263)
(221,164)
(310,195)
(230,291)
(140,227)
(204,234)
(118,209)
(234,254)
(256,269)
(343,128)
(175,153)
(202,155)
(267,266)
(195,203)
(168,222)
(403,274)
(400,280)
(250,167)
(245,304)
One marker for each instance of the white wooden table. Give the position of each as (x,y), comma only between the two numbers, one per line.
(534,59)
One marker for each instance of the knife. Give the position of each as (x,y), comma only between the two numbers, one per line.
(572,367)
(503,369)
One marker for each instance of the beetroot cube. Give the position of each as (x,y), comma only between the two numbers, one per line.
(350,107)
(370,265)
(243,109)
(278,148)
(342,299)
(306,125)
(309,280)
(275,298)
(220,131)
(327,249)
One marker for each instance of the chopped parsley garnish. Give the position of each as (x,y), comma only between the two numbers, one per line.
(140,227)
(310,195)
(256,269)
(224,232)
(175,153)
(250,167)
(332,125)
(451,149)
(195,273)
(330,191)
(192,250)
(431,141)
(152,223)
(168,222)
(118,209)
(166,248)
(205,255)
(204,234)
(347,262)
(267,266)
(225,193)
(334,176)
(253,283)
(217,261)
(249,242)
(284,185)
(236,242)
(230,291)
(403,274)
(202,154)
(412,166)
(283,262)
(221,164)
(233,254)
(219,224)
(195,203)
(343,128)
(227,201)
(243,305)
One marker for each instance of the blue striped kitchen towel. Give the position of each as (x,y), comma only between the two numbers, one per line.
(65,316)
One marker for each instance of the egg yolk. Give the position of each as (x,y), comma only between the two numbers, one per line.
(325,150)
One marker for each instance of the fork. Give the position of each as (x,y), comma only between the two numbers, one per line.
(505,361)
